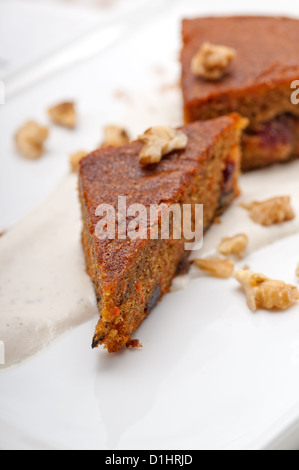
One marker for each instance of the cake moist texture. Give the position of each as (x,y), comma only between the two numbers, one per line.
(131,275)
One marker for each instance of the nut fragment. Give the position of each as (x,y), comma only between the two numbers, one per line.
(235,245)
(217,267)
(75,159)
(262,292)
(115,136)
(30,140)
(272,211)
(63,114)
(159,141)
(211,61)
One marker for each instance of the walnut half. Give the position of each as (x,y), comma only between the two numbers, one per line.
(217,267)
(63,114)
(272,211)
(159,141)
(262,292)
(115,136)
(30,140)
(235,245)
(75,159)
(211,61)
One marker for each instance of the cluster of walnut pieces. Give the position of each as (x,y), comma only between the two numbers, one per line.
(261,292)
(31,137)
(211,61)
(160,141)
(222,267)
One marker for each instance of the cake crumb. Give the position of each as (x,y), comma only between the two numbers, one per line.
(272,211)
(133,343)
(159,141)
(262,292)
(297,270)
(235,245)
(30,140)
(217,267)
(115,136)
(63,114)
(75,159)
(211,61)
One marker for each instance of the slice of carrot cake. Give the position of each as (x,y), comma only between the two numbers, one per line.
(130,273)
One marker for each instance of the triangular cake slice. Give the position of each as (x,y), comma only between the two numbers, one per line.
(130,276)
(260,81)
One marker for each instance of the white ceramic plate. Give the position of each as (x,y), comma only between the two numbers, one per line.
(210,375)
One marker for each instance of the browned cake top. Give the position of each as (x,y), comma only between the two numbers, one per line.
(111,172)
(267,54)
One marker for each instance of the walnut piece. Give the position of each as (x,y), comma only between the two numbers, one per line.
(63,114)
(75,159)
(217,267)
(235,245)
(262,292)
(159,141)
(30,140)
(115,136)
(211,61)
(272,211)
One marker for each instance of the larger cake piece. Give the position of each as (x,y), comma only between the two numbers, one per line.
(262,73)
